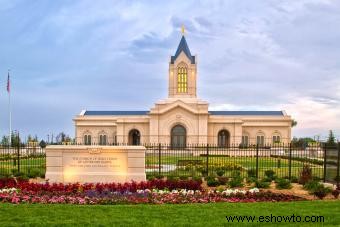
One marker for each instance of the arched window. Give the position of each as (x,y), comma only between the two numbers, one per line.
(260,139)
(134,137)
(182,80)
(178,137)
(87,139)
(102,139)
(276,138)
(245,140)
(223,139)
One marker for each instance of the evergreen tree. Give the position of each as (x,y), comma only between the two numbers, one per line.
(331,138)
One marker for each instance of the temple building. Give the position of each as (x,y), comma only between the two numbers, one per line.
(182,118)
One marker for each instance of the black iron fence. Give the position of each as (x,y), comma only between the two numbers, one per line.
(22,160)
(285,160)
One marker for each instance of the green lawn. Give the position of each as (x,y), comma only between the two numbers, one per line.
(164,215)
(280,166)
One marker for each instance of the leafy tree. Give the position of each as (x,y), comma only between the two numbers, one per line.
(294,123)
(4,141)
(15,139)
(62,137)
(42,144)
(301,142)
(331,138)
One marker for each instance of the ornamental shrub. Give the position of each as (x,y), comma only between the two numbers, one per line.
(251,172)
(283,184)
(220,172)
(212,182)
(262,184)
(33,173)
(311,186)
(294,179)
(321,191)
(270,175)
(305,174)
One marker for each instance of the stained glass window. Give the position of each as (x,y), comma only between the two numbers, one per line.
(182,80)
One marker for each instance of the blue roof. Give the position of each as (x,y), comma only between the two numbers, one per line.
(183,46)
(118,112)
(248,113)
(221,113)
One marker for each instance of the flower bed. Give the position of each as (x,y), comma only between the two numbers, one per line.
(150,192)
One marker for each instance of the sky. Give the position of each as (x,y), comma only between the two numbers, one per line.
(66,56)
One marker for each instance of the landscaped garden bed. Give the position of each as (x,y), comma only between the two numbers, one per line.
(150,192)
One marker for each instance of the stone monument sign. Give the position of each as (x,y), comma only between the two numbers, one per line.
(95,164)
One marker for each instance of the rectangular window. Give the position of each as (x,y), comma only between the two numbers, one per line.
(276,139)
(245,141)
(260,140)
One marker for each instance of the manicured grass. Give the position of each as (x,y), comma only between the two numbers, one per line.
(264,163)
(165,215)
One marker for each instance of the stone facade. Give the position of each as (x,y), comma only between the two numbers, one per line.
(182,118)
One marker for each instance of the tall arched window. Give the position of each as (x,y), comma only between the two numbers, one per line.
(182,80)
(134,137)
(223,138)
(260,139)
(87,139)
(178,137)
(102,139)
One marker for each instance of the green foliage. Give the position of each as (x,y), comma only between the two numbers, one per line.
(251,172)
(331,138)
(321,191)
(236,180)
(301,142)
(33,173)
(305,174)
(262,184)
(311,186)
(42,144)
(294,123)
(270,175)
(283,184)
(183,178)
(212,182)
(219,172)
(294,179)
(16,173)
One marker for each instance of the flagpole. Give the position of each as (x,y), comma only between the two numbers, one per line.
(9,109)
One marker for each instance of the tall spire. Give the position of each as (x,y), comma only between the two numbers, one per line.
(183,46)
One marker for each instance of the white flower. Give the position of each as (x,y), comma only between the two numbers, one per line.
(254,190)
(9,190)
(174,192)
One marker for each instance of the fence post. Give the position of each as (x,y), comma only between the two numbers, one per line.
(324,163)
(18,155)
(290,162)
(338,169)
(159,159)
(207,160)
(257,161)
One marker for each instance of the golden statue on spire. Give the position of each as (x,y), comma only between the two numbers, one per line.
(183,29)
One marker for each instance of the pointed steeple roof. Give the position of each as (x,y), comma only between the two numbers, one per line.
(183,46)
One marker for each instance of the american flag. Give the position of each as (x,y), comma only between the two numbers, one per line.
(8,84)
